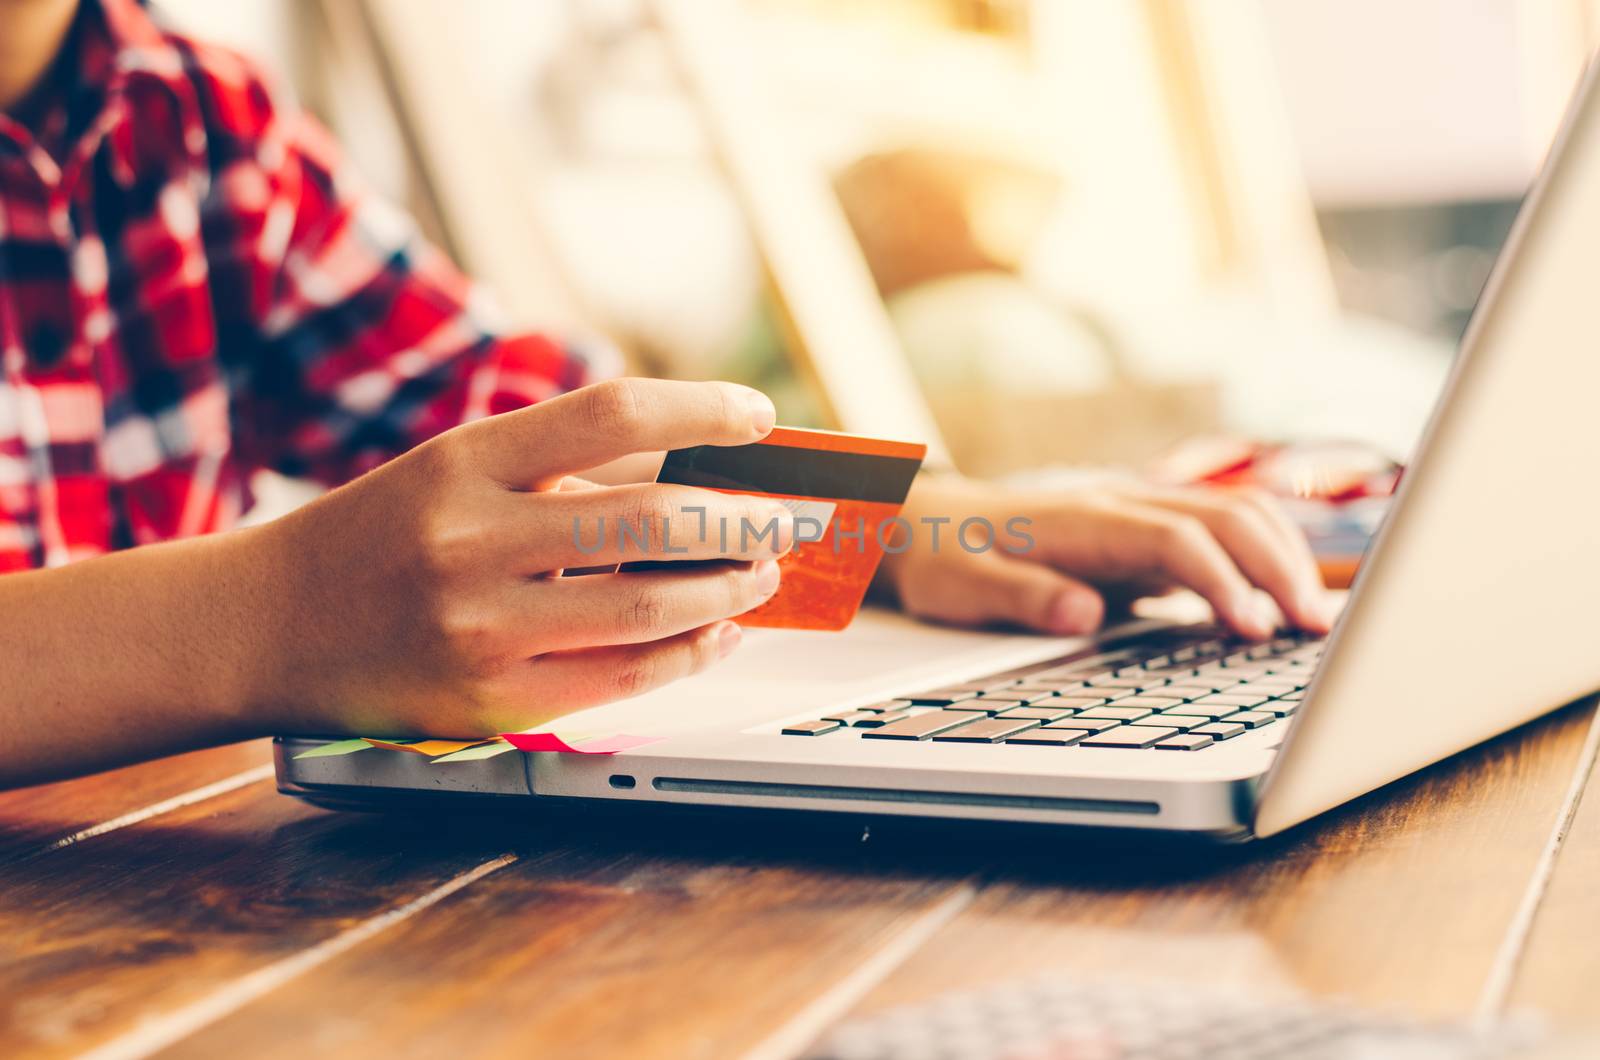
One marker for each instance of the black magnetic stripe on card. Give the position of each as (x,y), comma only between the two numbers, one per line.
(793,470)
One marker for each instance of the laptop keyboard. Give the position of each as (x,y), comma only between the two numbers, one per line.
(1176,690)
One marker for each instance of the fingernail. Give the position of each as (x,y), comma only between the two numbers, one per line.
(1075,613)
(783,539)
(763,417)
(1313,604)
(1329,609)
(1248,616)
(728,637)
(767,577)
(1264,615)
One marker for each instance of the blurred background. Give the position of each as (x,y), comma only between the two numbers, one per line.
(1087,230)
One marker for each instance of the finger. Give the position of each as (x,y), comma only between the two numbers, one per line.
(989,589)
(636,607)
(590,676)
(647,521)
(572,484)
(532,447)
(1183,548)
(1256,547)
(1295,539)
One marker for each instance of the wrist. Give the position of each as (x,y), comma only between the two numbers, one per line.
(254,576)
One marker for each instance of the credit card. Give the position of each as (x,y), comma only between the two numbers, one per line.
(843,490)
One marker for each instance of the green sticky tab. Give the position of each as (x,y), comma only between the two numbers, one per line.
(335,749)
(472,754)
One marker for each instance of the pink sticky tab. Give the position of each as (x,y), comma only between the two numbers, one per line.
(610,745)
(586,745)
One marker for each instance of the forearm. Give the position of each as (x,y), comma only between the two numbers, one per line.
(141,653)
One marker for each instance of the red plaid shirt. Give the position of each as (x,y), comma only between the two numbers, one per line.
(193,286)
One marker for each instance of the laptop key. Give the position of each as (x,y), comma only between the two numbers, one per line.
(1189,741)
(1187,692)
(921,726)
(1022,697)
(878,721)
(940,697)
(1211,682)
(1171,721)
(1219,730)
(979,709)
(1049,737)
(1040,713)
(1083,724)
(811,728)
(1231,699)
(1275,682)
(1199,714)
(1029,690)
(1062,687)
(1136,682)
(1079,702)
(1081,670)
(1253,718)
(1128,736)
(1006,698)
(999,704)
(1117,713)
(1153,702)
(1294,697)
(850,717)
(1272,692)
(989,730)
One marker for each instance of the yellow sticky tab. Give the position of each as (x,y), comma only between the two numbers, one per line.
(431,748)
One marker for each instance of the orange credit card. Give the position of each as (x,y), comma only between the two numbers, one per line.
(844,491)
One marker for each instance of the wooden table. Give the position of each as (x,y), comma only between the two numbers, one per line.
(185,908)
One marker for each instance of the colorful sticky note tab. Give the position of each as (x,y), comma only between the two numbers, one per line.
(577,743)
(478,753)
(431,748)
(333,750)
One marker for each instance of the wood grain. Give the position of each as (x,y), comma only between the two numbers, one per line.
(656,943)
(100,935)
(1559,969)
(1400,900)
(31,818)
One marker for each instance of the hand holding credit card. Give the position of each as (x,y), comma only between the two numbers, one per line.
(843,489)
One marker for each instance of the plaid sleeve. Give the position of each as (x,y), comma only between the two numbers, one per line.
(349,338)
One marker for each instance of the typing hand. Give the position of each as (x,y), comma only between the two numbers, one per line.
(1073,548)
(423,597)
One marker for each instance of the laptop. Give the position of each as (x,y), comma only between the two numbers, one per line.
(1473,612)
